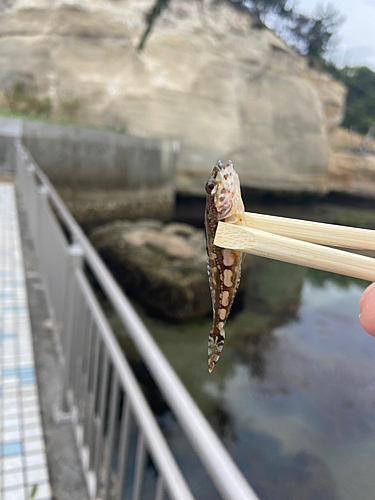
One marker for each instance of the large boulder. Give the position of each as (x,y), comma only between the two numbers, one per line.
(162,266)
(209,76)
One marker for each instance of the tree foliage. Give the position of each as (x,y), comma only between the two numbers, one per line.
(316,34)
(309,35)
(360,100)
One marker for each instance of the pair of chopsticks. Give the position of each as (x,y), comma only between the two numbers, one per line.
(301,242)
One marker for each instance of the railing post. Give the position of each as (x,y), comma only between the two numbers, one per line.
(75,261)
(39,226)
(30,194)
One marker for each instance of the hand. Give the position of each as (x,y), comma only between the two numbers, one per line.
(367,310)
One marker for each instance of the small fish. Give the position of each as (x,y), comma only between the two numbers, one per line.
(223,203)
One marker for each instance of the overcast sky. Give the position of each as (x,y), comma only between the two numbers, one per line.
(356,44)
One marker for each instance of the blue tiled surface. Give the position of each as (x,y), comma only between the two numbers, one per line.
(11,449)
(6,336)
(22,451)
(25,375)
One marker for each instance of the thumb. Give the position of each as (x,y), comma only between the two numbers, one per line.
(367,310)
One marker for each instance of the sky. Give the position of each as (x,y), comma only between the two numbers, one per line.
(356,36)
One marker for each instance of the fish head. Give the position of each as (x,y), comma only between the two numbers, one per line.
(223,190)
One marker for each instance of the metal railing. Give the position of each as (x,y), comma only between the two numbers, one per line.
(111,417)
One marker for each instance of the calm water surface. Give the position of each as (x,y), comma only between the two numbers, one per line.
(293,395)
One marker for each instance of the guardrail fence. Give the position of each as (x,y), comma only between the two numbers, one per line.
(123,451)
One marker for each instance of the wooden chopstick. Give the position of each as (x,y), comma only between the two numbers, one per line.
(303,253)
(314,232)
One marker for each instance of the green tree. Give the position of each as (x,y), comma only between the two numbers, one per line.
(360,101)
(309,35)
(316,34)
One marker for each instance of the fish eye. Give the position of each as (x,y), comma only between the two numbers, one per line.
(210,186)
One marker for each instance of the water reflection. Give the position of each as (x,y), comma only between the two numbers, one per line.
(293,396)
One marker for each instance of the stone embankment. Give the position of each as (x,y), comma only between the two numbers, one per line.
(351,168)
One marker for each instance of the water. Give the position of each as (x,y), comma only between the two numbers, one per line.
(293,395)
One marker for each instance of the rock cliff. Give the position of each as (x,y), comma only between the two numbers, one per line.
(207,77)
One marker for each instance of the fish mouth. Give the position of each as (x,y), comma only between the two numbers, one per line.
(219,166)
(219,171)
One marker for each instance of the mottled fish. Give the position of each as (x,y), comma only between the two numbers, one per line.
(223,203)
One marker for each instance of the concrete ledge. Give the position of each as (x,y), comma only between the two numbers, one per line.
(85,158)
(10,128)
(104,175)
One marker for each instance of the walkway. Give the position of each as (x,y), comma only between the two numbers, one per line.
(23,469)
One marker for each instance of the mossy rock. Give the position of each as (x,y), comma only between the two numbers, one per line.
(161,266)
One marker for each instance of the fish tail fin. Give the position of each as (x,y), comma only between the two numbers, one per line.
(215,346)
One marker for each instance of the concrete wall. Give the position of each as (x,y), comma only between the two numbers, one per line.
(100,175)
(9,129)
(85,158)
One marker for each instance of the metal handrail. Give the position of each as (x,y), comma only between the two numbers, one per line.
(84,325)
(162,454)
(224,473)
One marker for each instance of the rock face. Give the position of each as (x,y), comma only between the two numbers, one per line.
(351,168)
(162,266)
(207,77)
(352,173)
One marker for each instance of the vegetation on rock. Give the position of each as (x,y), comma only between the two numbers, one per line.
(311,36)
(22,99)
(360,100)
